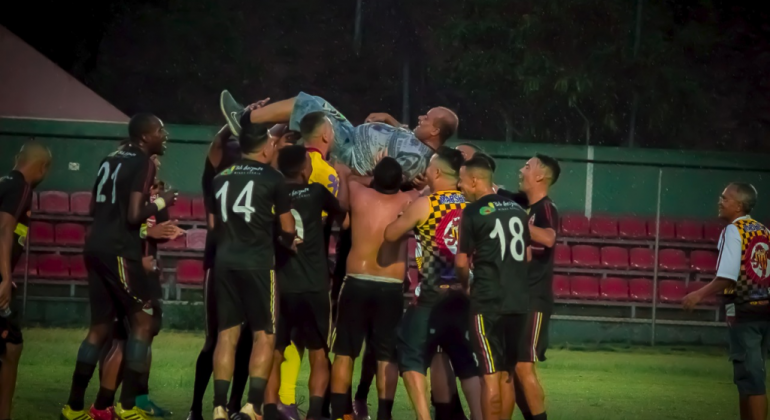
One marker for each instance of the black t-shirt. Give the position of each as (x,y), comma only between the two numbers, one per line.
(121,173)
(231,153)
(249,196)
(495,235)
(542,214)
(307,270)
(519,197)
(16,200)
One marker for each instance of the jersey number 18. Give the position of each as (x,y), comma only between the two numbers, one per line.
(516,229)
(242,203)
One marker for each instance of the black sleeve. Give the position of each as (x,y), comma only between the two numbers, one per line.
(466,233)
(526,234)
(144,177)
(162,216)
(519,197)
(14,197)
(330,204)
(281,197)
(207,180)
(547,217)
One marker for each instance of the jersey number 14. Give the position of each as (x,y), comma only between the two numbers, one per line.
(516,229)
(242,203)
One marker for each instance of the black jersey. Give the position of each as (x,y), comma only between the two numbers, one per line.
(151,244)
(16,200)
(495,235)
(125,171)
(307,270)
(231,153)
(249,196)
(542,214)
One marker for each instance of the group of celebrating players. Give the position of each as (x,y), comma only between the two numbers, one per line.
(484,255)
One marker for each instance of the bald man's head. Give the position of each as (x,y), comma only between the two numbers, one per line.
(33,161)
(437,126)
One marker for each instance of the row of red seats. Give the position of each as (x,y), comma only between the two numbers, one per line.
(628,227)
(53,266)
(618,289)
(59,202)
(618,258)
(74,234)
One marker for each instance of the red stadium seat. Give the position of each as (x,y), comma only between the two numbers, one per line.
(53,266)
(614,288)
(182,209)
(672,260)
(712,231)
(35,202)
(696,285)
(54,202)
(41,233)
(632,228)
(703,261)
(562,255)
(667,229)
(70,234)
(178,243)
(21,265)
(574,225)
(80,203)
(689,230)
(190,272)
(78,267)
(196,239)
(604,226)
(411,246)
(585,256)
(640,290)
(414,279)
(198,209)
(615,257)
(671,291)
(584,287)
(561,288)
(642,259)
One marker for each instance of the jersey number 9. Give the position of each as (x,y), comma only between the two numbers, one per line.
(242,203)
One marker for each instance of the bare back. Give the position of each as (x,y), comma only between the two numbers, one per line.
(370,213)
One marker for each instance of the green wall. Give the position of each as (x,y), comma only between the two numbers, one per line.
(622,181)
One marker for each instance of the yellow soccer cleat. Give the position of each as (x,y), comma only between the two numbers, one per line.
(69,414)
(133,414)
(220,413)
(248,413)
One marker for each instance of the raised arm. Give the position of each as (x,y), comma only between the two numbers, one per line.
(139,208)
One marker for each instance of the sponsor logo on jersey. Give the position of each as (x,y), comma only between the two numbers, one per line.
(451,199)
(447,234)
(488,209)
(756,260)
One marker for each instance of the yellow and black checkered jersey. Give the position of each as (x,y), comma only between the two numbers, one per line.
(750,293)
(323,173)
(437,241)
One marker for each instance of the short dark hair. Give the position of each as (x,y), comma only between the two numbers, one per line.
(291,160)
(252,137)
(551,164)
(481,161)
(388,176)
(747,195)
(140,124)
(453,158)
(310,123)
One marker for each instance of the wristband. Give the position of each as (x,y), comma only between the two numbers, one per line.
(160,202)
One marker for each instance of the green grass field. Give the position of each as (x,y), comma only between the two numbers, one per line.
(581,384)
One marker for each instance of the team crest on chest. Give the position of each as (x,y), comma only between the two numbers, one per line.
(756,265)
(447,233)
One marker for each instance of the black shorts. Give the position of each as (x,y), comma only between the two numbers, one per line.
(499,341)
(117,287)
(10,329)
(368,310)
(246,296)
(535,337)
(304,318)
(443,324)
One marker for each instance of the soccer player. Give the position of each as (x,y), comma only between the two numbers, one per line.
(118,283)
(371,301)
(495,238)
(249,195)
(31,167)
(303,279)
(358,147)
(440,316)
(537,177)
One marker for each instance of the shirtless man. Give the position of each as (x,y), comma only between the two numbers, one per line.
(358,147)
(371,300)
